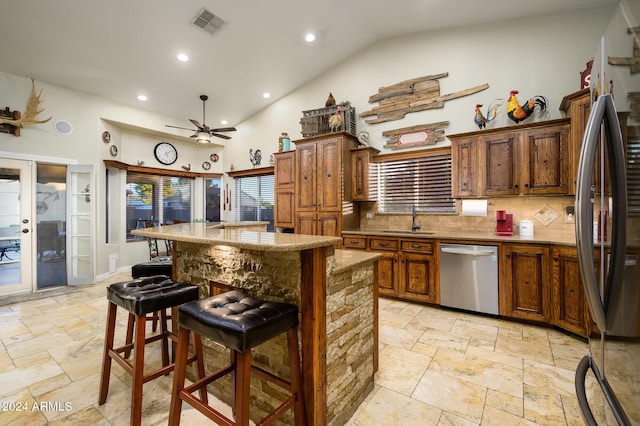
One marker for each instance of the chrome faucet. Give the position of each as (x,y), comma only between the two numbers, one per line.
(414,225)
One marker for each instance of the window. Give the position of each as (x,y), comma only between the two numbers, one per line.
(254,199)
(421,178)
(633,170)
(212,199)
(158,200)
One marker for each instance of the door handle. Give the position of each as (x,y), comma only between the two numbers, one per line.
(25,231)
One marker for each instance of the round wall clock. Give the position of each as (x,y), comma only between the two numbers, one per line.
(113,150)
(206,165)
(165,153)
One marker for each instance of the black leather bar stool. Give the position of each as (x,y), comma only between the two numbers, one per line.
(240,323)
(141,297)
(161,265)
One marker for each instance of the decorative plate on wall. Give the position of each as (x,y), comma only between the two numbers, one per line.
(214,157)
(113,150)
(106,137)
(206,165)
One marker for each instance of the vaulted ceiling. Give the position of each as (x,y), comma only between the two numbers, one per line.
(118,49)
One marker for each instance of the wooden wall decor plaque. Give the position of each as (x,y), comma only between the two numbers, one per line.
(419,135)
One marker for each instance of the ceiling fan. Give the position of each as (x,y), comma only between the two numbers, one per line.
(203,133)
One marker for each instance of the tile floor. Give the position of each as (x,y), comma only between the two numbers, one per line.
(437,367)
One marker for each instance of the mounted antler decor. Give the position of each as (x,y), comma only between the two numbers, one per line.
(29,117)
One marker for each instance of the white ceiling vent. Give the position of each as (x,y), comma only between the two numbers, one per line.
(209,22)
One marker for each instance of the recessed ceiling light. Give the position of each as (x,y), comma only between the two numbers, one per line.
(266,95)
(310,37)
(223,122)
(142,98)
(182,57)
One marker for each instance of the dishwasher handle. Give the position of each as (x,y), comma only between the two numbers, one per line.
(465,252)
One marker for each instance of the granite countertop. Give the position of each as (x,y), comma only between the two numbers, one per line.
(212,233)
(349,259)
(470,236)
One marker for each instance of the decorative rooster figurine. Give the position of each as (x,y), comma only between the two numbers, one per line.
(492,112)
(335,121)
(518,113)
(331,101)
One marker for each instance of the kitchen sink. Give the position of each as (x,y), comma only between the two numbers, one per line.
(404,231)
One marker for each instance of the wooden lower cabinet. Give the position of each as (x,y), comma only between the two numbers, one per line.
(387,267)
(570,309)
(525,288)
(417,278)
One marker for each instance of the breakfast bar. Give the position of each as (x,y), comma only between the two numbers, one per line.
(334,290)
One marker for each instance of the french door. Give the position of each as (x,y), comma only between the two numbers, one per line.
(16,230)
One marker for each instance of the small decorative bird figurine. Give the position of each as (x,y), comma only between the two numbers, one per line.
(335,121)
(331,101)
(492,112)
(518,112)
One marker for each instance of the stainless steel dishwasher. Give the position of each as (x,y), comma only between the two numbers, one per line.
(469,277)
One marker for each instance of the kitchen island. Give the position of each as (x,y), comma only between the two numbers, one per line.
(333,289)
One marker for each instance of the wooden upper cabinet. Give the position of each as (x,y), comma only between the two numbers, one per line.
(361,161)
(545,160)
(464,174)
(305,177)
(500,160)
(329,175)
(528,159)
(284,172)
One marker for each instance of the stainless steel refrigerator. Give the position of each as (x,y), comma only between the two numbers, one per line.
(608,379)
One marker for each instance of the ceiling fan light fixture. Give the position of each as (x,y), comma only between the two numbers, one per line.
(203,137)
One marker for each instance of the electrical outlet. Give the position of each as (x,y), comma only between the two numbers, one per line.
(569,214)
(369,215)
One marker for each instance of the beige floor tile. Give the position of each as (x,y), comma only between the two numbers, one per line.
(87,416)
(504,402)
(543,406)
(528,350)
(15,379)
(557,380)
(444,340)
(12,328)
(456,396)
(450,419)
(388,408)
(495,417)
(398,337)
(18,409)
(479,371)
(468,328)
(505,359)
(400,370)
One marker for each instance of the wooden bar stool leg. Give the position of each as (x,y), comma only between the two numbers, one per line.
(296,379)
(129,338)
(179,373)
(106,358)
(242,387)
(138,370)
(200,364)
(165,339)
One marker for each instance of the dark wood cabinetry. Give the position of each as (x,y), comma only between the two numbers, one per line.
(570,309)
(522,160)
(361,162)
(525,288)
(418,272)
(284,170)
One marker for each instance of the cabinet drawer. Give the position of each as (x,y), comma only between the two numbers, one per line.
(355,242)
(417,246)
(383,244)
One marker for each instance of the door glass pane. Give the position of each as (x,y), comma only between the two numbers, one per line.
(9,226)
(51,214)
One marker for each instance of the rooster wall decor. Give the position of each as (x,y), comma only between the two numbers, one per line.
(518,113)
(255,157)
(492,112)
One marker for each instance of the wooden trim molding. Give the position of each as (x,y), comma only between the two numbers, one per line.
(262,171)
(156,171)
(408,155)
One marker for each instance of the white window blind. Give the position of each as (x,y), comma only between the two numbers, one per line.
(424,181)
(633,171)
(157,199)
(255,198)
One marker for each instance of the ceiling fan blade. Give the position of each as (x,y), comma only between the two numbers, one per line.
(224,129)
(195,123)
(176,127)
(220,136)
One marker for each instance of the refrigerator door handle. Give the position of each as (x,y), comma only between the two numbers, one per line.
(581,391)
(617,170)
(584,213)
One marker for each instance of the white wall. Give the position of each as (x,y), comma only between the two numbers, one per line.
(538,56)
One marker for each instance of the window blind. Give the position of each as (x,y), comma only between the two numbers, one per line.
(633,171)
(255,199)
(157,199)
(424,182)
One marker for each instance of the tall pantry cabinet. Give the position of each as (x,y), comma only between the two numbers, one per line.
(323,201)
